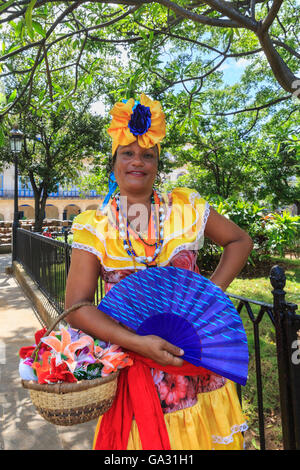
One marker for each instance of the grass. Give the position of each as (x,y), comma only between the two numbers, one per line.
(259,287)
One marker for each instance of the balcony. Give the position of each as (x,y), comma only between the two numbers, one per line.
(61,194)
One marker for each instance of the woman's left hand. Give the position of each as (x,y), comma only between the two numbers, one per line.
(159,350)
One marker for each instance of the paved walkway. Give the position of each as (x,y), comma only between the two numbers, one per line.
(21,428)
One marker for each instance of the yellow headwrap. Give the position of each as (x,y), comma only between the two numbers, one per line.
(143,121)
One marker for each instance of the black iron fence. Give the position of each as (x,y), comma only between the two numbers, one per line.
(48,260)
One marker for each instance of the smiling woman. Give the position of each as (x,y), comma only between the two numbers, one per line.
(135,170)
(194,412)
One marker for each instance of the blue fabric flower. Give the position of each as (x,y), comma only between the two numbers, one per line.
(140,120)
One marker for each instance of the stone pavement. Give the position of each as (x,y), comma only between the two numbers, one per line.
(21,427)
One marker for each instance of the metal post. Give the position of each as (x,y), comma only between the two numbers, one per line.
(293,330)
(16,224)
(16,137)
(278,280)
(67,254)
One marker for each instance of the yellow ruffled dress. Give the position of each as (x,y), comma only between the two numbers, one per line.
(209,418)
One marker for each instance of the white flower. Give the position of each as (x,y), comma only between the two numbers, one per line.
(26,372)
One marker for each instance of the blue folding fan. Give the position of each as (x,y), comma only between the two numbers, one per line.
(187,310)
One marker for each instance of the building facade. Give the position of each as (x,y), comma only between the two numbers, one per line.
(63,204)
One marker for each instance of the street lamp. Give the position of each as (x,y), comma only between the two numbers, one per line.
(16,140)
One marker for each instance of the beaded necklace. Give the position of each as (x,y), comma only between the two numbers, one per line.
(124,234)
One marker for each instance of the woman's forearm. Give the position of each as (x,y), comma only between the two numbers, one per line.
(81,284)
(233,259)
(99,325)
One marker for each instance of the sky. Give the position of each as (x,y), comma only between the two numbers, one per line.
(233,70)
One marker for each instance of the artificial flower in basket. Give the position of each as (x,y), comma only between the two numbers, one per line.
(68,361)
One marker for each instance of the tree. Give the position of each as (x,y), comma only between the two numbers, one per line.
(176,52)
(220,159)
(278,154)
(263,31)
(57,144)
(56,107)
(230,156)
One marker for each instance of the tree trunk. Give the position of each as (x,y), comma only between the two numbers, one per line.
(39,215)
(283,74)
(39,209)
(40,199)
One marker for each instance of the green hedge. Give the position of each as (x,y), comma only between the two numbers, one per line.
(272,233)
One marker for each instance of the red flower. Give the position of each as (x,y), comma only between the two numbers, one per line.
(192,388)
(44,367)
(56,373)
(185,259)
(173,389)
(39,334)
(27,351)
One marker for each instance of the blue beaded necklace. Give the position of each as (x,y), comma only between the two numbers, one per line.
(146,260)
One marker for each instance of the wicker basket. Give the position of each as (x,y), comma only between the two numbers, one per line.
(66,404)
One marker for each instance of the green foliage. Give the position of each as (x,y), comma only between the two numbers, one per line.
(272,233)
(282,230)
(243,213)
(97,178)
(69,239)
(224,159)
(69,138)
(90,372)
(168,54)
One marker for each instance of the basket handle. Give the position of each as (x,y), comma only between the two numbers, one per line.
(60,318)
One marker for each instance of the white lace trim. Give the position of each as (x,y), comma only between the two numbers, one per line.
(90,249)
(228,439)
(97,234)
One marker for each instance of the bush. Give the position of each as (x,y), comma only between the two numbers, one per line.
(272,233)
(245,214)
(282,231)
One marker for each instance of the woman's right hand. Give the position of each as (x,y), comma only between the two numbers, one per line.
(160,350)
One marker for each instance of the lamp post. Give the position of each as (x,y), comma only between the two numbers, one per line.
(16,140)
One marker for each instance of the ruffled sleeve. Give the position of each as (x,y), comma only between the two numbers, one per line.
(86,229)
(185,223)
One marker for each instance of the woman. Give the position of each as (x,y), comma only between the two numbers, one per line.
(199,411)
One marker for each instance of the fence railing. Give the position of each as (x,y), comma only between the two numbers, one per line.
(48,261)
